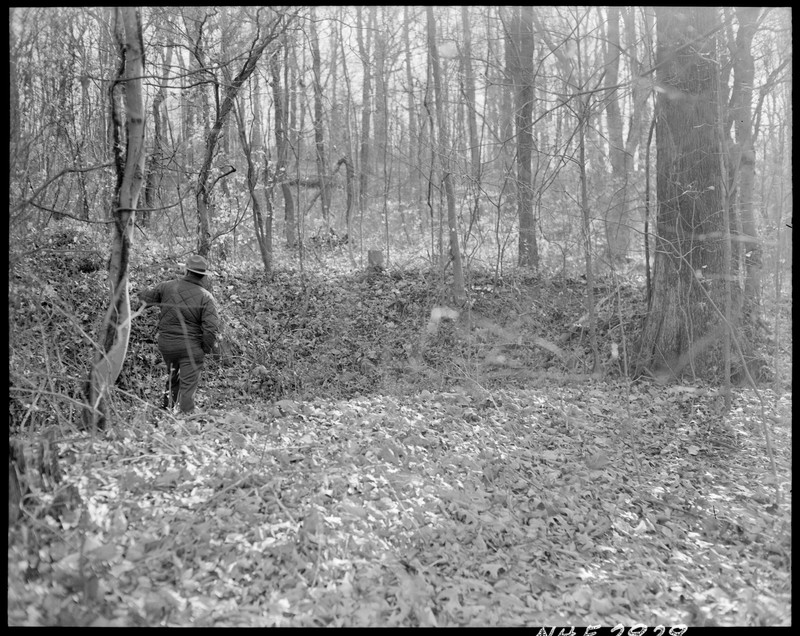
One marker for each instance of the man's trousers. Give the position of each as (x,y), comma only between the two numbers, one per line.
(183,378)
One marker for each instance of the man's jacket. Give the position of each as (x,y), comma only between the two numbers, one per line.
(189,322)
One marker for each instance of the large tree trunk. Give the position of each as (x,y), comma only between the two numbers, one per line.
(128,103)
(684,319)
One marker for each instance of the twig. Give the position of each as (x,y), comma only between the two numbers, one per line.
(282,507)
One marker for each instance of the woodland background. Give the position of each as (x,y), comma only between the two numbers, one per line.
(483,272)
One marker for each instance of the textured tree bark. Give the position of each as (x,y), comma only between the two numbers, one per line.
(129,103)
(684,319)
(523,73)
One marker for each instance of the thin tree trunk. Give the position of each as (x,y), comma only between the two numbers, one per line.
(414,155)
(639,94)
(129,103)
(459,292)
(725,200)
(348,144)
(506,117)
(472,121)
(267,34)
(363,37)
(319,119)
(743,78)
(523,71)
(282,148)
(186,125)
(379,99)
(263,231)
(156,168)
(583,123)
(336,135)
(350,189)
(616,217)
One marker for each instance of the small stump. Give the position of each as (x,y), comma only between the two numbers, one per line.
(375,259)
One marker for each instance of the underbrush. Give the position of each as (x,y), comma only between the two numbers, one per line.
(314,333)
(351,416)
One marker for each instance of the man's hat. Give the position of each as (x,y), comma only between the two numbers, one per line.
(198,265)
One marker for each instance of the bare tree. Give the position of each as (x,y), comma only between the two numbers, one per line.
(127,117)
(155,170)
(583,107)
(522,73)
(472,118)
(364,50)
(444,150)
(743,159)
(281,107)
(413,151)
(616,222)
(265,35)
(319,118)
(253,148)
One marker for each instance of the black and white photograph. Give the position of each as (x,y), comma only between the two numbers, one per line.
(400,316)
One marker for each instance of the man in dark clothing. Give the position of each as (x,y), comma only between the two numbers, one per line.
(187,330)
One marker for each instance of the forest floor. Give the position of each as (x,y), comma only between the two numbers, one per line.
(357,462)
